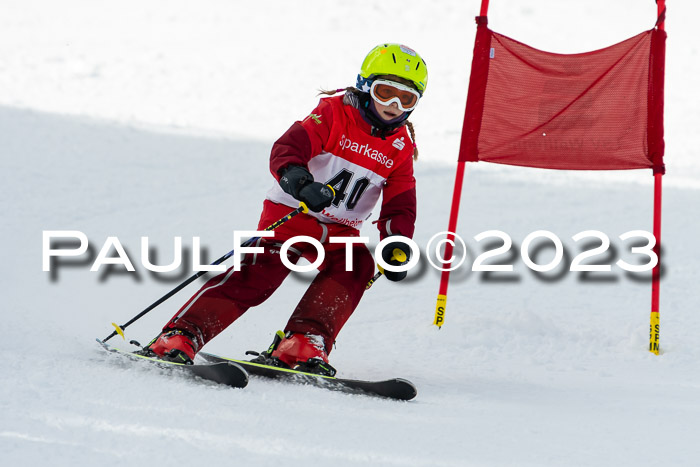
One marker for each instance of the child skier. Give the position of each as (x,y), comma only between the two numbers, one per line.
(358,145)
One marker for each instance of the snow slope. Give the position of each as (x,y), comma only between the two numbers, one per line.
(129,119)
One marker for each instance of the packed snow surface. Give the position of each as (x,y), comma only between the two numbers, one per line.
(130,119)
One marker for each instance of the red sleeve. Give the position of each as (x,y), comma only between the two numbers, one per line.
(398,214)
(303,140)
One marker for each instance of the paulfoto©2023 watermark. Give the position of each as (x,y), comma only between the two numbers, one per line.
(112,251)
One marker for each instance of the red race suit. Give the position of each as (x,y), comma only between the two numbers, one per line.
(335,143)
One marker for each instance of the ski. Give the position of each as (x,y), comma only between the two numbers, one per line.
(222,372)
(396,388)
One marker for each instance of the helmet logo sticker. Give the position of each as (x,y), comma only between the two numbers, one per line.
(407,50)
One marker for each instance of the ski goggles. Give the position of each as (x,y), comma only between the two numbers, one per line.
(385,92)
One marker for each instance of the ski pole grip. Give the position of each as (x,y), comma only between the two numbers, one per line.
(398,255)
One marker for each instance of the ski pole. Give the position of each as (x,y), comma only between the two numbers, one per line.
(120,329)
(397,255)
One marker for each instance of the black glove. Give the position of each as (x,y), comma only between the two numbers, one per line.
(298,182)
(396,254)
(294,178)
(316,196)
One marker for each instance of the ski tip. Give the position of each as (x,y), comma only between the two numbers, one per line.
(409,390)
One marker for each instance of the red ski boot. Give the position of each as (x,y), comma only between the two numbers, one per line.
(175,346)
(304,352)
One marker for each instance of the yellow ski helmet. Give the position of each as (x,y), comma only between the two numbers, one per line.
(397,60)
